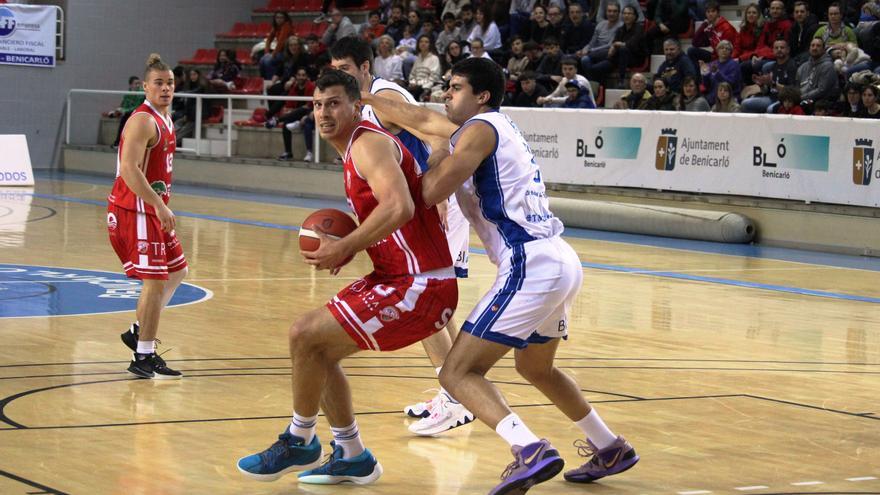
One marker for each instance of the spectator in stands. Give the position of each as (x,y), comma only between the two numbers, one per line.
(724,69)
(387,64)
(628,48)
(577,96)
(425,74)
(226,70)
(454,54)
(185,124)
(725,101)
(774,28)
(530,91)
(318,56)
(638,96)
(676,66)
(486,30)
(822,109)
(597,49)
(556,19)
(299,114)
(850,59)
(835,34)
(281,30)
(535,55)
(602,9)
(816,77)
(802,30)
(539,26)
(452,7)
(550,66)
(749,33)
(577,31)
(691,100)
(373,28)
(789,102)
(776,75)
(129,104)
(466,21)
(852,104)
(478,50)
(295,58)
(714,29)
(518,62)
(449,33)
(520,13)
(663,97)
(340,27)
(396,22)
(671,19)
(870,11)
(870,103)
(178,104)
(414,19)
(569,73)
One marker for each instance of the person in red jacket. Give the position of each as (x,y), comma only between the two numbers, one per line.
(712,31)
(789,102)
(749,32)
(777,27)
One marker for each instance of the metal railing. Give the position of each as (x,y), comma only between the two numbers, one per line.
(198,123)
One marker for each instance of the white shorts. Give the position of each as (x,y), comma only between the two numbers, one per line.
(531,297)
(458,235)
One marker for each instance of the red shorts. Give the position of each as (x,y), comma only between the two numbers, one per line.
(145,251)
(383,313)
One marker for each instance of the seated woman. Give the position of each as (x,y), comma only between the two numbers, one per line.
(724,99)
(663,98)
(870,103)
(723,69)
(226,70)
(691,100)
(425,73)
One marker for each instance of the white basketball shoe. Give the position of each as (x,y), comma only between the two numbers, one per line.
(445,414)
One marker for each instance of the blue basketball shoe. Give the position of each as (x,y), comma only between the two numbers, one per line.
(535,463)
(361,469)
(290,453)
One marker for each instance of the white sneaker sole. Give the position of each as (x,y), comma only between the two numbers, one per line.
(279,474)
(325,479)
(435,429)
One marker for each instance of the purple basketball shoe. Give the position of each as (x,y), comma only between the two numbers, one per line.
(535,463)
(616,458)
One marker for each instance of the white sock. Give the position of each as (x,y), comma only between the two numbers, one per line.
(303,427)
(146,346)
(595,429)
(349,438)
(512,429)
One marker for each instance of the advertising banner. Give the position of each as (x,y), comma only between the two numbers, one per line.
(15,161)
(814,159)
(27,35)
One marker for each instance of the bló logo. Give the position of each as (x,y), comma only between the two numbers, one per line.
(7,22)
(863,162)
(667,146)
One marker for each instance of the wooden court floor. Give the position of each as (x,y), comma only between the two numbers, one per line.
(729,374)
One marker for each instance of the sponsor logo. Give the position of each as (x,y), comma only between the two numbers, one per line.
(160,187)
(7,22)
(863,162)
(111,221)
(14,176)
(792,151)
(611,142)
(358,286)
(389,313)
(143,247)
(41,291)
(667,148)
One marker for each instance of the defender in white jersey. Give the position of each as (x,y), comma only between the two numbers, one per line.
(498,185)
(355,57)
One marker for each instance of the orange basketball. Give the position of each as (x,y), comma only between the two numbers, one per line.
(335,223)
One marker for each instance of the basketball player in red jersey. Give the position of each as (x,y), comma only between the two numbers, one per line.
(140,223)
(409,296)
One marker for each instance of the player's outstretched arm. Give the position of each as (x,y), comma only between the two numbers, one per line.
(414,118)
(476,143)
(377,159)
(139,131)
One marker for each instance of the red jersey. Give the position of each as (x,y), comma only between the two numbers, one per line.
(156,167)
(419,245)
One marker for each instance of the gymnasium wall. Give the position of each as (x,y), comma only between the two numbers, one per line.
(106,42)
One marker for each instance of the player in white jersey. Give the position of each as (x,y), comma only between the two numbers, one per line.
(489,166)
(355,57)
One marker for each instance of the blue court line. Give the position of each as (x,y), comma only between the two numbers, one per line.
(599,266)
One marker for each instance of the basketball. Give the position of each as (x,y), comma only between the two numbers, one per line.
(335,223)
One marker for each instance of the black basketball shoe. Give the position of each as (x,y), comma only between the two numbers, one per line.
(130,337)
(152,366)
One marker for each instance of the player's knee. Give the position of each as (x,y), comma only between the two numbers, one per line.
(449,377)
(533,372)
(301,335)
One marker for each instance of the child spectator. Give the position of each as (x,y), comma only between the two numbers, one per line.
(789,102)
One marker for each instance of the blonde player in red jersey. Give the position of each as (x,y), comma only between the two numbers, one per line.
(140,224)
(409,296)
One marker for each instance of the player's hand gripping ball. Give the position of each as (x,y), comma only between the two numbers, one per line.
(334,223)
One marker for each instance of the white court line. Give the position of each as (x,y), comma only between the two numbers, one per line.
(750,488)
(862,478)
(718,270)
(808,483)
(695,492)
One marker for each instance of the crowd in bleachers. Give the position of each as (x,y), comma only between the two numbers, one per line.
(783,56)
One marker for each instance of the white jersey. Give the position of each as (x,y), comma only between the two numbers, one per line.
(505,200)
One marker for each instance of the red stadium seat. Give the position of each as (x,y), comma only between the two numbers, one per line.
(215,116)
(303,28)
(248,86)
(262,30)
(237,29)
(203,56)
(243,56)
